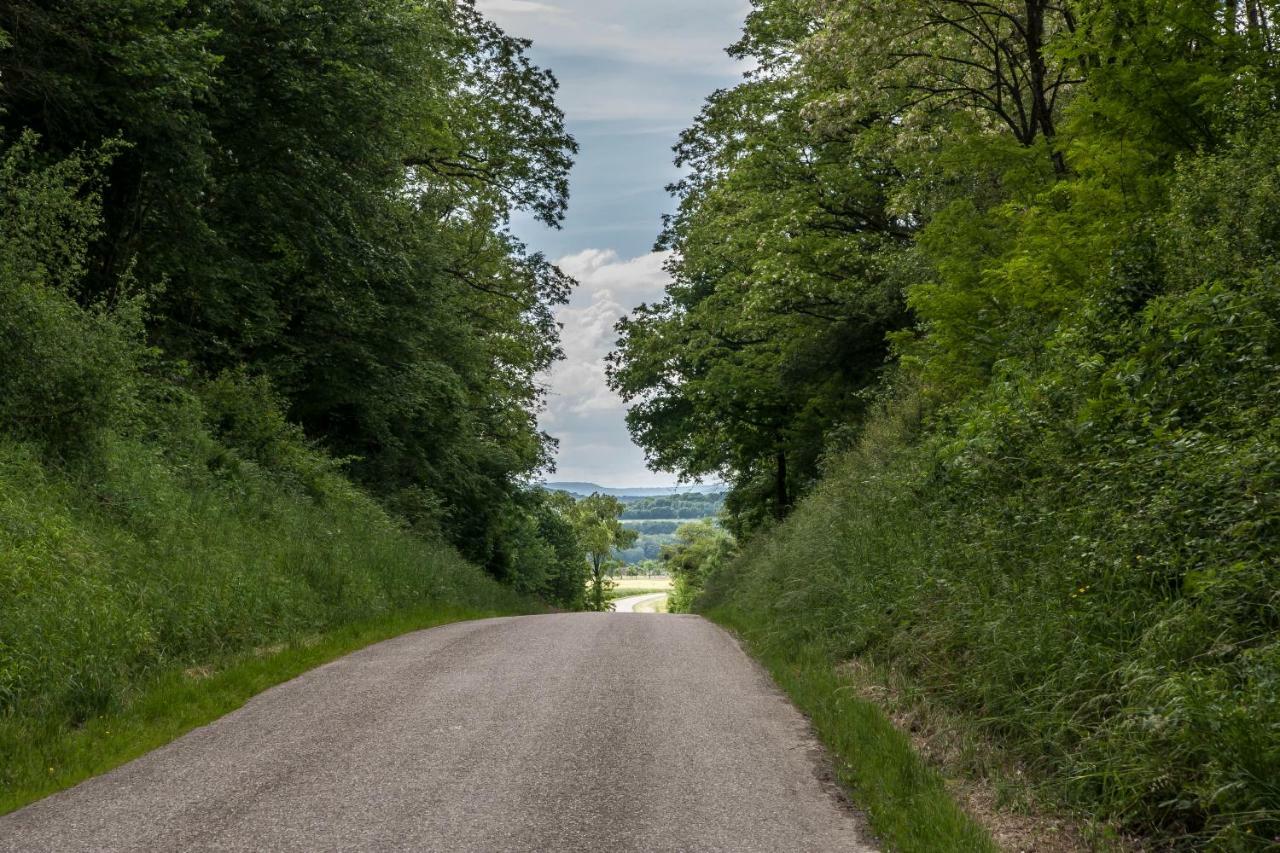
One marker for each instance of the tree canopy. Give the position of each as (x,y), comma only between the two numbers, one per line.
(923,186)
(319,195)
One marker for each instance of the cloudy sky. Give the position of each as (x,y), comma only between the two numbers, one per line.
(633,74)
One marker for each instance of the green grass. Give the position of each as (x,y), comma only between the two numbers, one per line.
(121,574)
(1108,622)
(46,758)
(905,800)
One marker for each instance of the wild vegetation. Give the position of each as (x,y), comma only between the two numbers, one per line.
(700,549)
(227,424)
(976,306)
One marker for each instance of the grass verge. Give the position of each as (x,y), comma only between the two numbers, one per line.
(906,801)
(48,759)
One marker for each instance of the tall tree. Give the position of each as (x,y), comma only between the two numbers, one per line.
(601,533)
(331,213)
(785,285)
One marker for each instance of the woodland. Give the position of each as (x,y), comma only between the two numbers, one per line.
(975,306)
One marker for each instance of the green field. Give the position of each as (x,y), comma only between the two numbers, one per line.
(640,586)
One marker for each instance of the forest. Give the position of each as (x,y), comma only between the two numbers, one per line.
(227,419)
(975,305)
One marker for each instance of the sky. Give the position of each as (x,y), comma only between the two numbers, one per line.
(633,74)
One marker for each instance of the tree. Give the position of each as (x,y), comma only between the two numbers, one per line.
(330,214)
(540,551)
(701,549)
(601,533)
(785,285)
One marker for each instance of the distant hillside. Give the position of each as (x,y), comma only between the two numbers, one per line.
(584,489)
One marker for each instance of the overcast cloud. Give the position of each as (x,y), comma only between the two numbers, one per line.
(633,74)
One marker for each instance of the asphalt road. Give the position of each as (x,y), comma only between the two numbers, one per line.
(571,732)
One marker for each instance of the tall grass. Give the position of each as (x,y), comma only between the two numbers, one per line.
(120,571)
(1133,699)
(906,801)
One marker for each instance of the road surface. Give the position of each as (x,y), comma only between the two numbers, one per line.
(570,732)
(636,603)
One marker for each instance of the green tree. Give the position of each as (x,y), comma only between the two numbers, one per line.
(601,533)
(330,214)
(701,549)
(70,371)
(786,282)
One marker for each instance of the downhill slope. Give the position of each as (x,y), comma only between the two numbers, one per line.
(566,732)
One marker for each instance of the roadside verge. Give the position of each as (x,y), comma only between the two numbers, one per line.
(906,801)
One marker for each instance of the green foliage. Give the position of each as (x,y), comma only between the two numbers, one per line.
(600,534)
(68,370)
(687,506)
(650,528)
(700,549)
(543,551)
(783,287)
(1063,522)
(139,566)
(321,215)
(1081,555)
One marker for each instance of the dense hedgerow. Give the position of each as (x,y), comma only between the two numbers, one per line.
(152,520)
(139,565)
(1084,556)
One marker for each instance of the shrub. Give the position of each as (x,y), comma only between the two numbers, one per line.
(68,370)
(1082,557)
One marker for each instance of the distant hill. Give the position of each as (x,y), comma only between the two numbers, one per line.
(584,489)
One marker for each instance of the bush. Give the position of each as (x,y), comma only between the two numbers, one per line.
(1082,557)
(68,371)
(141,568)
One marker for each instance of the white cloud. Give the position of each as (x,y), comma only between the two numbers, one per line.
(632,74)
(581,411)
(663,33)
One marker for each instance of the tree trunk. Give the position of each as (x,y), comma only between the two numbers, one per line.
(1041,112)
(597,584)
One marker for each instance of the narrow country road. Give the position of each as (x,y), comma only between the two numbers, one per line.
(569,732)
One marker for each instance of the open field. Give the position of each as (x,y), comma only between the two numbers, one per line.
(635,586)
